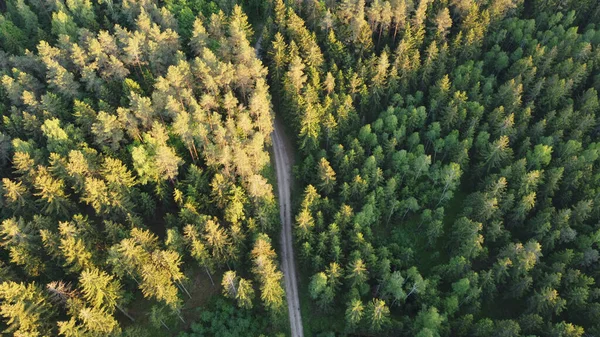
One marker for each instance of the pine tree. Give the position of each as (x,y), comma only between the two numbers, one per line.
(101,290)
(428,322)
(327,176)
(198,249)
(443,22)
(22,242)
(238,288)
(199,37)
(98,321)
(354,313)
(107,130)
(25,308)
(15,193)
(52,193)
(245,293)
(263,256)
(378,314)
(217,240)
(357,272)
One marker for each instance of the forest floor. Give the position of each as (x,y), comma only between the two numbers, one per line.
(283,167)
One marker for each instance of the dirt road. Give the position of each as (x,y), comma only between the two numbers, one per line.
(283,167)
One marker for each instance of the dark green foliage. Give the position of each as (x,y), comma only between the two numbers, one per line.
(462,136)
(225,320)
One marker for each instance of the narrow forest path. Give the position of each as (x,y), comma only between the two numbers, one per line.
(283,168)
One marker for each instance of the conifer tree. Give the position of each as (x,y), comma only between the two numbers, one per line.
(25,308)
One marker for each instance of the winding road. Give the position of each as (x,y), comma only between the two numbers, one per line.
(283,168)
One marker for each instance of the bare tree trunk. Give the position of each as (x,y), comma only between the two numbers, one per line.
(180,317)
(411,291)
(418,175)
(133,277)
(195,149)
(182,287)
(163,324)
(443,195)
(233,286)
(192,154)
(125,313)
(209,276)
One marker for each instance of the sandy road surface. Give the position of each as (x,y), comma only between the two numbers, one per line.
(283,167)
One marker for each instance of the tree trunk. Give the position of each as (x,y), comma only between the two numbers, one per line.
(133,277)
(442,198)
(443,194)
(125,313)
(233,286)
(411,291)
(191,154)
(181,286)
(209,276)
(163,324)
(418,175)
(195,149)
(180,317)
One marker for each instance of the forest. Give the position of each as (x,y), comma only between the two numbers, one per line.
(446,177)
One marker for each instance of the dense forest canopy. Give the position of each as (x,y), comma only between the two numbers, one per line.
(449,153)
(447,167)
(133,160)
